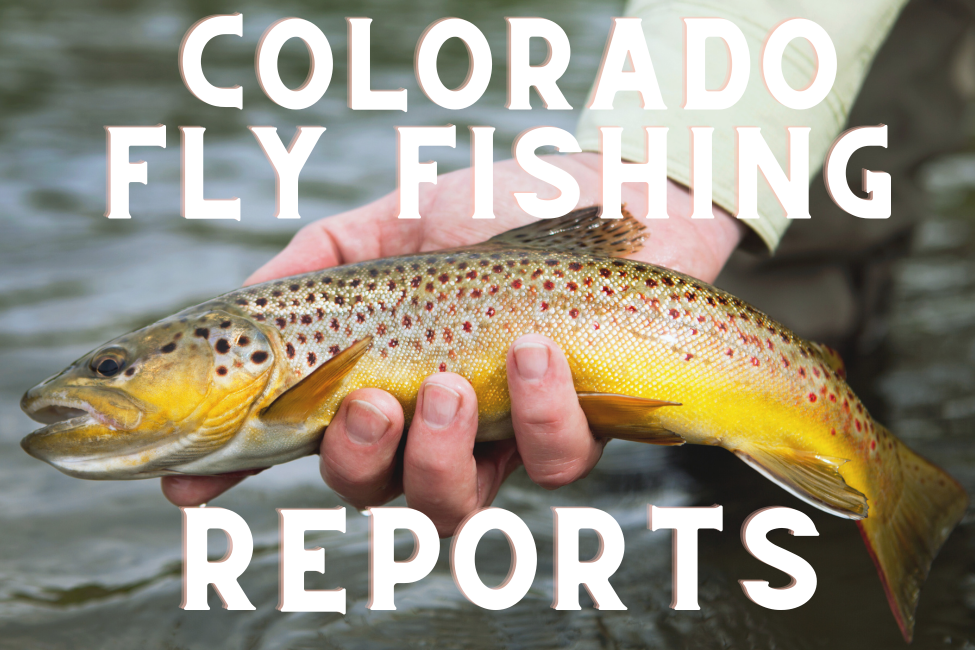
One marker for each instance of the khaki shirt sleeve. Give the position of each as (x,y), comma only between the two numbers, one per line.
(857,30)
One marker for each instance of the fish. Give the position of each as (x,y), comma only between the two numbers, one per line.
(252,378)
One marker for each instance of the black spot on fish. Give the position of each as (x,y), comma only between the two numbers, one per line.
(130,371)
(259,357)
(221,370)
(222,346)
(243,341)
(225,324)
(169,347)
(290,349)
(294,287)
(241,302)
(312,358)
(202,332)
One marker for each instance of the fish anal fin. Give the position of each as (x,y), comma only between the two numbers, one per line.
(300,401)
(812,477)
(580,231)
(627,418)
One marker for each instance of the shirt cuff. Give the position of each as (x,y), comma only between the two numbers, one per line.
(857,31)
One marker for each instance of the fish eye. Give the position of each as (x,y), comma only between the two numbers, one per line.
(107,364)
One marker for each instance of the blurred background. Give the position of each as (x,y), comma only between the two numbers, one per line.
(98,565)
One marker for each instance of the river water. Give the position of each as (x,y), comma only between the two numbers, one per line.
(98,564)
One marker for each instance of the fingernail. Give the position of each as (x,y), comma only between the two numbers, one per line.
(531,360)
(440,405)
(364,423)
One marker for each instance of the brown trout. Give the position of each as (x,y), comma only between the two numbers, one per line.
(252,378)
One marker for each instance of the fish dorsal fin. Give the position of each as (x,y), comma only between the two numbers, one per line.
(580,231)
(627,418)
(831,357)
(300,401)
(812,477)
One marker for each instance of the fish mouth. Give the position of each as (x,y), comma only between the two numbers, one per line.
(87,428)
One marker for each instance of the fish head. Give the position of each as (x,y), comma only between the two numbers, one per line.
(152,399)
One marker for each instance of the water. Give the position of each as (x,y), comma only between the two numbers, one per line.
(98,565)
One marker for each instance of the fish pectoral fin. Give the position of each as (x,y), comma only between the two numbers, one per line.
(812,477)
(299,402)
(626,418)
(580,231)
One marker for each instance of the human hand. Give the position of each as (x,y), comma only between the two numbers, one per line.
(441,471)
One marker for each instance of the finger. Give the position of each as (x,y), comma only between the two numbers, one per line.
(495,462)
(365,233)
(440,476)
(553,436)
(188,491)
(359,450)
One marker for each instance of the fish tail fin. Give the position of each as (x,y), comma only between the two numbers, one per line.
(906,527)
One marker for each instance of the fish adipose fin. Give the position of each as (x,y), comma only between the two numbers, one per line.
(831,357)
(626,418)
(299,402)
(809,476)
(580,231)
(907,525)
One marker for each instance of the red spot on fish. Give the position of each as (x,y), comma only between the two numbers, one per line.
(858,425)
(443,278)
(429,306)
(544,306)
(573,313)
(516,284)
(536,274)
(832,432)
(407,322)
(700,319)
(674,313)
(729,352)
(832,397)
(605,273)
(873,444)
(475,293)
(393,343)
(785,362)
(467,326)
(490,311)
(575,266)
(415,282)
(651,283)
(443,367)
(548,285)
(572,286)
(608,291)
(688,357)
(812,397)
(754,361)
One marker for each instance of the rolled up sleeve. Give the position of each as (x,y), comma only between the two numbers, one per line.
(857,30)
